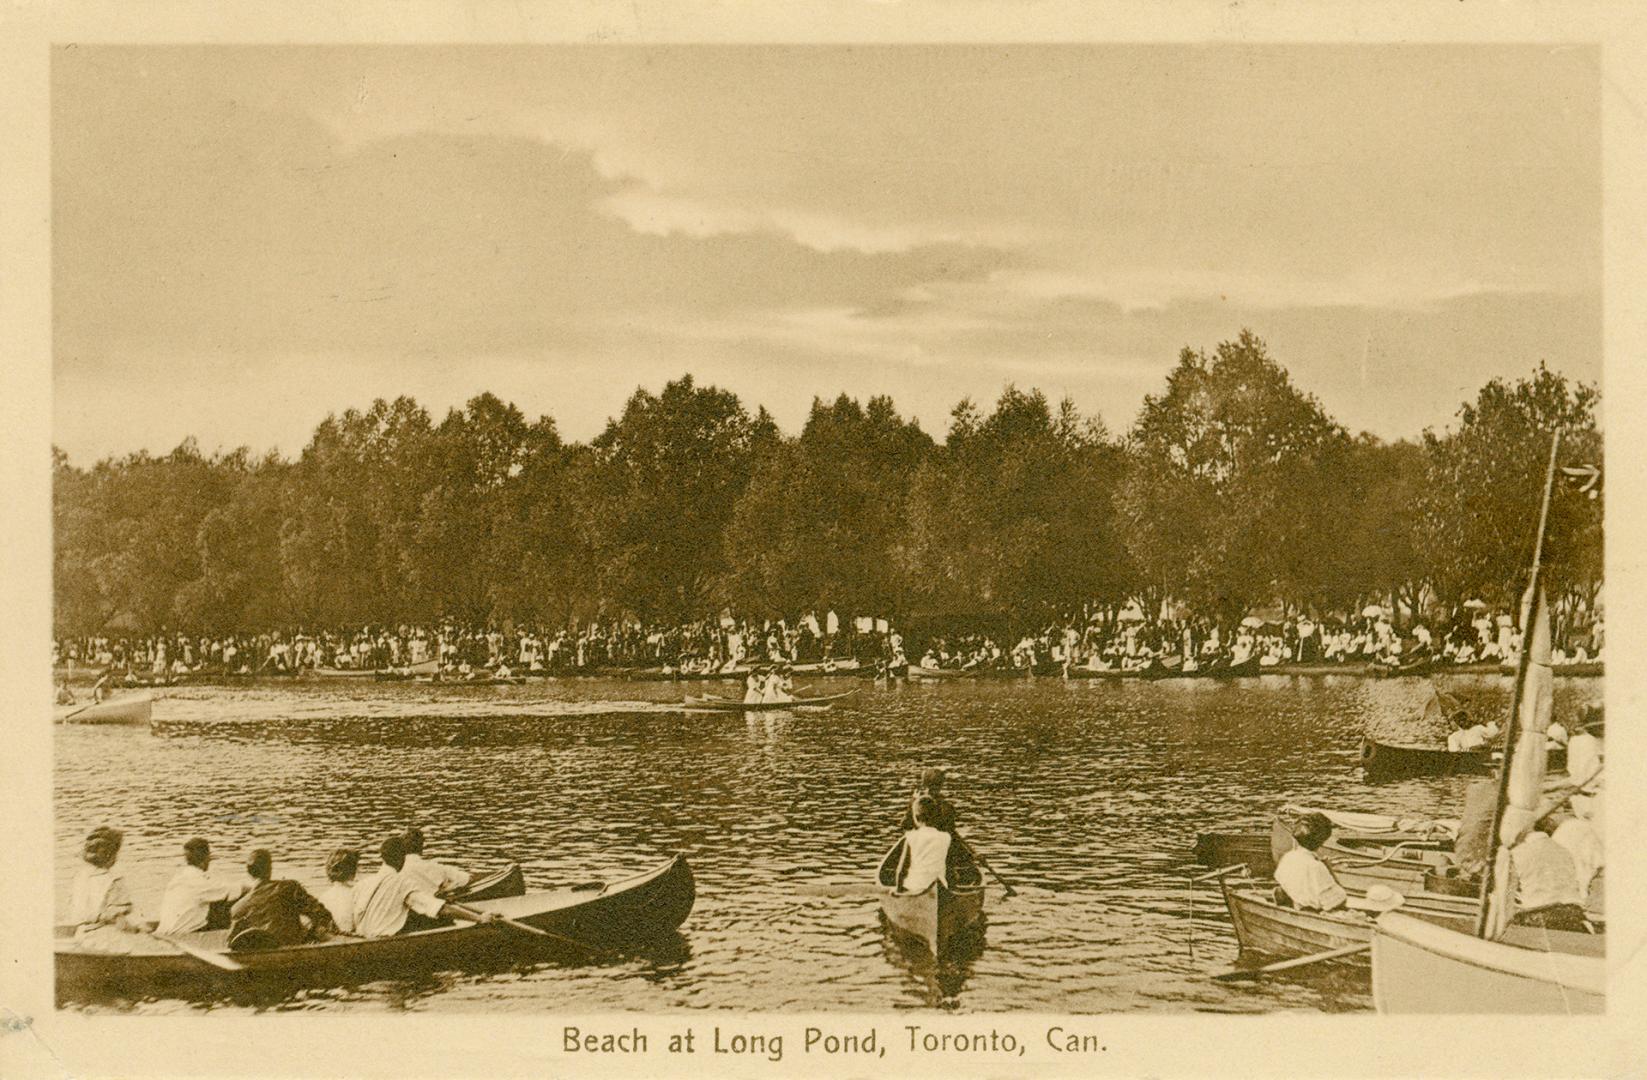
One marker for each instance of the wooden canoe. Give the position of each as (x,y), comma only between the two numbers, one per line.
(939,916)
(134,709)
(647,907)
(1382,761)
(1419,967)
(717,704)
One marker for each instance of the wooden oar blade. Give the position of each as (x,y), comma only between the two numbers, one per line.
(207,956)
(1244,974)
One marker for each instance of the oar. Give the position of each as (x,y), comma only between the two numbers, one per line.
(215,959)
(1220,872)
(1243,974)
(528,928)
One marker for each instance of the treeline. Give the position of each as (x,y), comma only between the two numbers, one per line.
(1232,489)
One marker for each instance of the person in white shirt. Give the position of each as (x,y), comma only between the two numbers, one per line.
(1547,889)
(100,904)
(431,876)
(1584,747)
(1583,843)
(926,850)
(393,902)
(187,904)
(1304,878)
(341,891)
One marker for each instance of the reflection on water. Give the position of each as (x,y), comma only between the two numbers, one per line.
(1086,796)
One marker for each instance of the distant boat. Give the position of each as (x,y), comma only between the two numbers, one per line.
(133,709)
(1382,761)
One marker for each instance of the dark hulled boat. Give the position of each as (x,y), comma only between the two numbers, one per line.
(646,907)
(1382,761)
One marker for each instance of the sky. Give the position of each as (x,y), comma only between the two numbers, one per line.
(246,239)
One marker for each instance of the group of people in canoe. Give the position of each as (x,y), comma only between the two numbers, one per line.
(1556,854)
(407,892)
(766,685)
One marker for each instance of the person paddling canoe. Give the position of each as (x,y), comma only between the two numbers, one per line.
(275,914)
(431,876)
(393,902)
(931,784)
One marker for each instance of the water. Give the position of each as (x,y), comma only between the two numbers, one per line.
(1087,796)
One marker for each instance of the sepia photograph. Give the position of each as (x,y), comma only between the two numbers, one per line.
(949,541)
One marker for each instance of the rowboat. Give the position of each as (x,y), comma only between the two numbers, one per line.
(717,704)
(1391,761)
(1419,967)
(341,673)
(1380,669)
(921,671)
(939,915)
(136,709)
(1587,670)
(644,908)
(1264,926)
(512,680)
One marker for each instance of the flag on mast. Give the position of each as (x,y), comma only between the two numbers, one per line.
(1525,786)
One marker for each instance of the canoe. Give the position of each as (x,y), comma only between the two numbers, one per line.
(508,881)
(715,704)
(341,673)
(939,916)
(1423,968)
(827,667)
(135,709)
(644,908)
(1587,670)
(513,680)
(1417,668)
(1382,761)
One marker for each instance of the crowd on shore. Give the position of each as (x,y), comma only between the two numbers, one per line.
(1112,640)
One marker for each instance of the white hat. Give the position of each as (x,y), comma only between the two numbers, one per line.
(1378,898)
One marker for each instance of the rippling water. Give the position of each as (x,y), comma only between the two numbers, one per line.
(1087,796)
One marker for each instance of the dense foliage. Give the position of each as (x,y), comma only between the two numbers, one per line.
(1233,489)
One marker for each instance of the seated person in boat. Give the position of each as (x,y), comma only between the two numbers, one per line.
(925,857)
(65,696)
(1547,888)
(339,895)
(1301,877)
(392,901)
(430,875)
(503,672)
(931,786)
(1467,736)
(275,914)
(1585,746)
(194,900)
(100,904)
(754,686)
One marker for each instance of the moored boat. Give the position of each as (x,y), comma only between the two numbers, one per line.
(1424,968)
(133,709)
(1382,761)
(1264,926)
(627,913)
(939,915)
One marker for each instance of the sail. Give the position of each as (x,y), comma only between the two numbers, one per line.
(1525,782)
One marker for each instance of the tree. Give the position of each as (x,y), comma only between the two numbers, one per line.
(667,479)
(1228,498)
(1486,478)
(1014,514)
(821,521)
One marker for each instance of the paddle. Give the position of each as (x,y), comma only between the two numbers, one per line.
(966,847)
(207,956)
(1244,974)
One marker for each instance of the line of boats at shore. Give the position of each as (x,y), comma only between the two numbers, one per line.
(428,672)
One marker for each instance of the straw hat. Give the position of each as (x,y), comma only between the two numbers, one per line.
(1379,898)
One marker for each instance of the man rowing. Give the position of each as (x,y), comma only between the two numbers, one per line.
(187,904)
(925,857)
(931,786)
(392,901)
(432,876)
(276,914)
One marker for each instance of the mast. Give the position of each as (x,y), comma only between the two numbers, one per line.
(1532,605)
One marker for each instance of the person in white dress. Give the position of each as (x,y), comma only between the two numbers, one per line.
(339,895)
(100,904)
